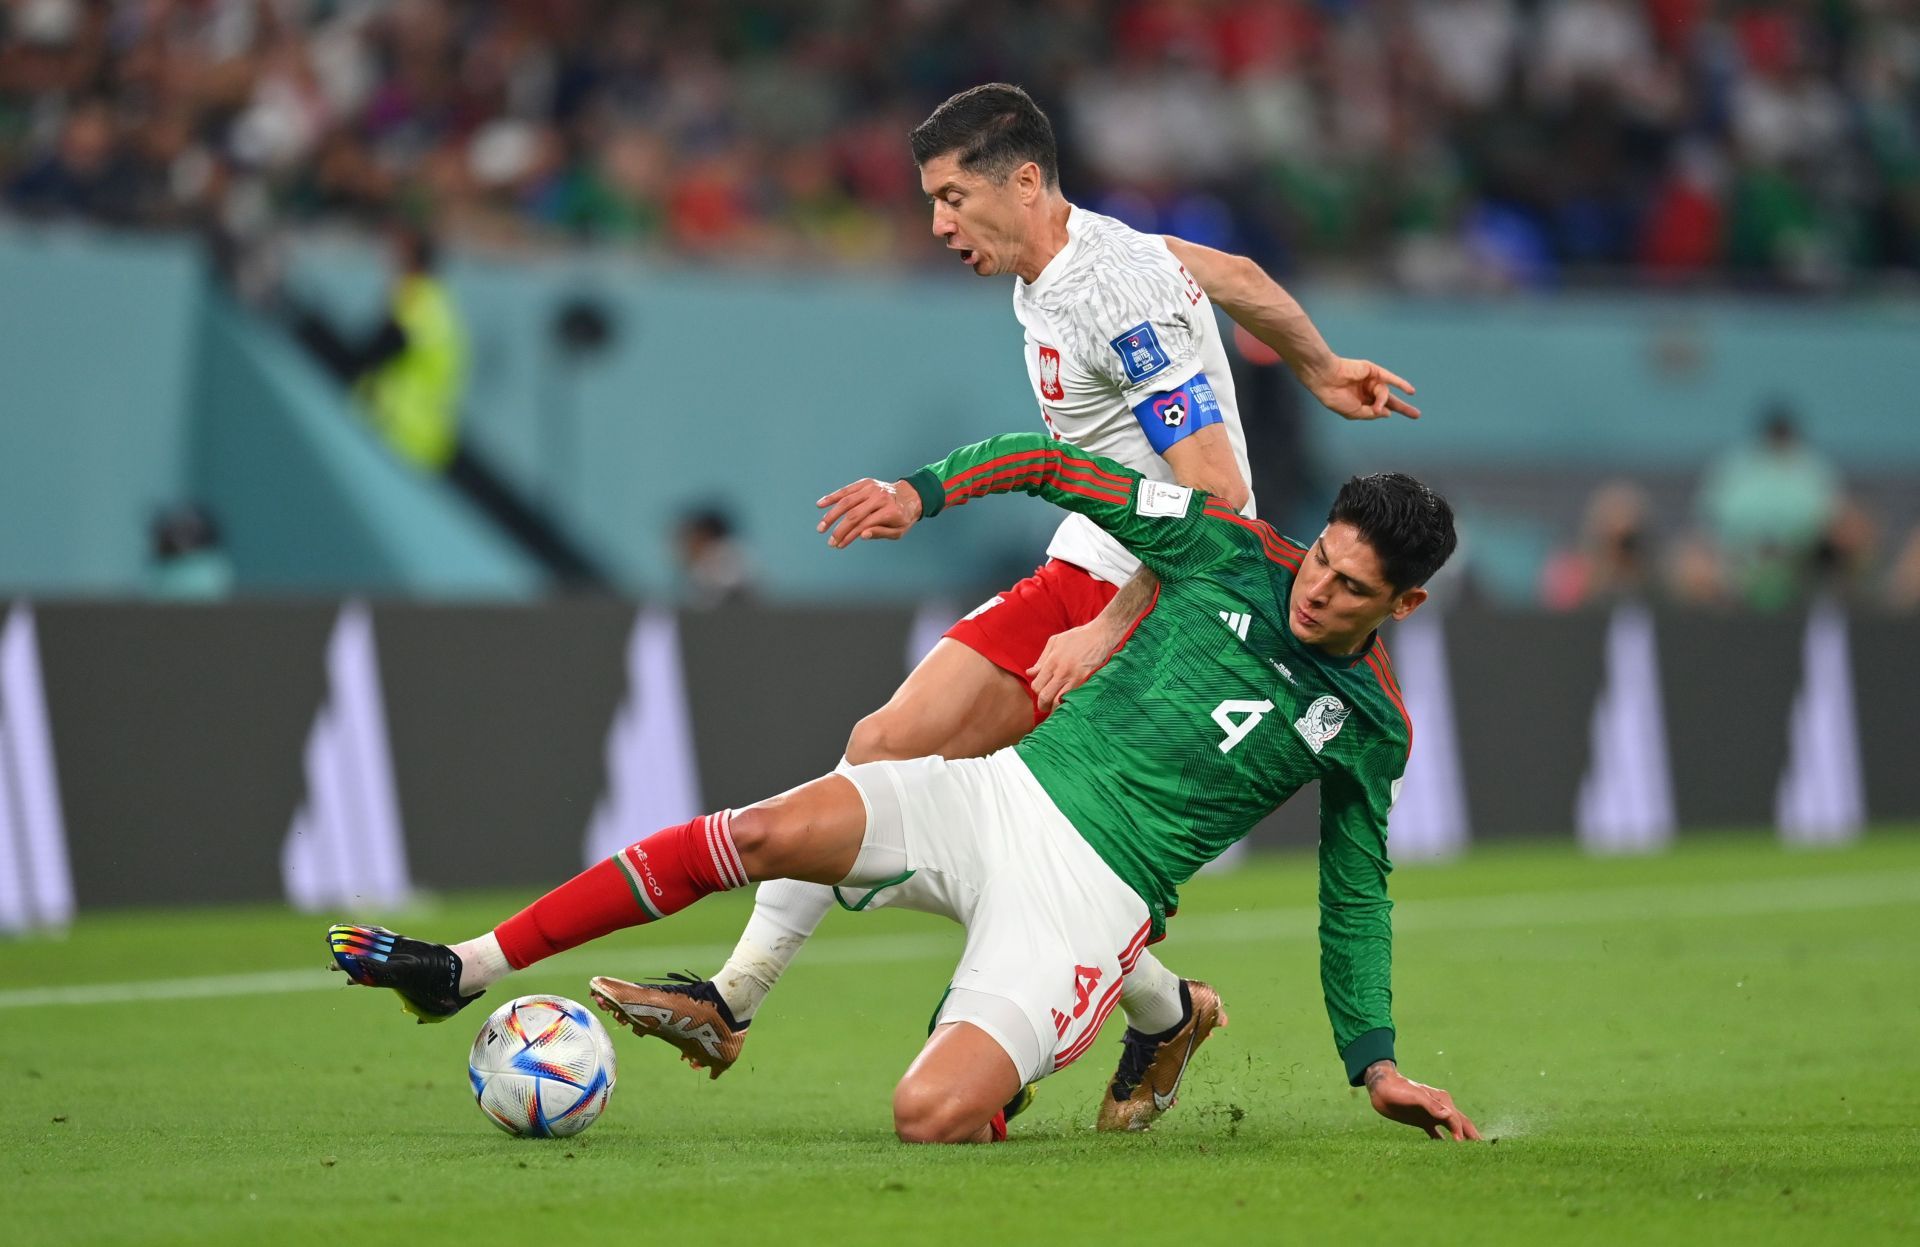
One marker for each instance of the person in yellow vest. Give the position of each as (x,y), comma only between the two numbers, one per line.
(410,375)
(413,395)
(408,379)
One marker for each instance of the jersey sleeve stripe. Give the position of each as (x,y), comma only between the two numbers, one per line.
(1111,478)
(1386,665)
(1068,472)
(1039,456)
(1279,553)
(991,465)
(1386,685)
(1095,494)
(1013,478)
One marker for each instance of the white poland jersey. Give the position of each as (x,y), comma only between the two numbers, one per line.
(1108,282)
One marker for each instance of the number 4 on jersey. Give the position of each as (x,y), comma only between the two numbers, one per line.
(1237,730)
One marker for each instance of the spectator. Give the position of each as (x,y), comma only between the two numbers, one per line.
(409,374)
(1768,507)
(714,569)
(1452,144)
(1611,559)
(189,563)
(1903,581)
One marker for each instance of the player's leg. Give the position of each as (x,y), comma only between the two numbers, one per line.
(1051,934)
(957,703)
(812,832)
(968,697)
(956,1088)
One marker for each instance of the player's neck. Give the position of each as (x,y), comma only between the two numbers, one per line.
(1348,647)
(1340,647)
(1049,237)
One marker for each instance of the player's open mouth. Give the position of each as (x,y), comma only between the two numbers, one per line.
(966,255)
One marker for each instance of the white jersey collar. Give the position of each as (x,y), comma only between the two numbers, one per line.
(1061,261)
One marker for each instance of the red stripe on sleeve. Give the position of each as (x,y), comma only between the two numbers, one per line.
(1386,685)
(1032,474)
(1386,665)
(1087,491)
(1279,552)
(1015,468)
(1112,478)
(990,465)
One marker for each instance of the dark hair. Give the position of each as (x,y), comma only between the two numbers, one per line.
(994,128)
(1408,525)
(707,521)
(419,251)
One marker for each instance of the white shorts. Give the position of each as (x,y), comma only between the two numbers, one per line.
(1051,930)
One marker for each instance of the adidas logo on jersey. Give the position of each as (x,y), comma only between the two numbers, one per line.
(1236,623)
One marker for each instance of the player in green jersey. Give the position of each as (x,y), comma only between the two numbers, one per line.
(1258,670)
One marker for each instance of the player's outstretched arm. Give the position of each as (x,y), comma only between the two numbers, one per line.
(1357,389)
(1398,1098)
(1172,529)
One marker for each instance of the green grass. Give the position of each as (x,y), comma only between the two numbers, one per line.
(1713,1045)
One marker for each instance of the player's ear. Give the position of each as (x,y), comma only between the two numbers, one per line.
(1029,181)
(1407,603)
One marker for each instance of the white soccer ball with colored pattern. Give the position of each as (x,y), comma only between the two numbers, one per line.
(542,1067)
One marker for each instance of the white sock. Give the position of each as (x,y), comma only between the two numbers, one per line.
(785,913)
(1151,996)
(482,964)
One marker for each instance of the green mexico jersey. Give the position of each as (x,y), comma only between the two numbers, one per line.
(1214,713)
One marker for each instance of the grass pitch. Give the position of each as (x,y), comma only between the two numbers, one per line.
(1716,1045)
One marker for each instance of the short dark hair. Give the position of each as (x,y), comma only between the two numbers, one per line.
(1408,525)
(994,128)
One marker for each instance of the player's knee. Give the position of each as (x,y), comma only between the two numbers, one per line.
(884,736)
(759,832)
(927,1113)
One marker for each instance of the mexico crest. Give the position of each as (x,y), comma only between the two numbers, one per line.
(1322,722)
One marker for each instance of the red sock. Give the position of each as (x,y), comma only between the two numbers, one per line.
(660,875)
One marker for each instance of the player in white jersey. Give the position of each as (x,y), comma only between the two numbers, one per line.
(1126,360)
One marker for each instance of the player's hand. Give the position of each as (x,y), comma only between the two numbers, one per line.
(1360,389)
(868,510)
(1399,1098)
(1069,659)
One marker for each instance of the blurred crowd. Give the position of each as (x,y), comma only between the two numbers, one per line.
(1443,145)
(1772,523)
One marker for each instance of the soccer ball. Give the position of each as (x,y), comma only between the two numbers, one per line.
(542,1066)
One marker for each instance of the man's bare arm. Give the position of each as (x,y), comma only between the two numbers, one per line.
(1204,460)
(1071,657)
(1357,389)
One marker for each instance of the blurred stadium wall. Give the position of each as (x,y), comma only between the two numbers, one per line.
(330,752)
(130,385)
